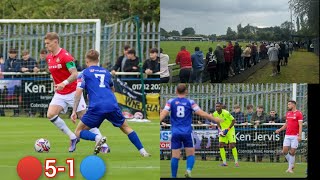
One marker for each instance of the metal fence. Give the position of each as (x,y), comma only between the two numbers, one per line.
(77,38)
(271,96)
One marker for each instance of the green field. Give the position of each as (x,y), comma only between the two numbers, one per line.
(211,169)
(18,135)
(303,67)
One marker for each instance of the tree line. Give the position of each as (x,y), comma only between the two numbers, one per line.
(109,11)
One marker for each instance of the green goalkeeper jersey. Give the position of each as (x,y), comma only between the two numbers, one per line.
(227,120)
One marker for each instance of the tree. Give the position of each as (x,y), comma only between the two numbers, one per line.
(109,11)
(310,9)
(163,32)
(231,35)
(189,31)
(174,33)
(213,37)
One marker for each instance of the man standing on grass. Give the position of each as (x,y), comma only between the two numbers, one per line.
(293,127)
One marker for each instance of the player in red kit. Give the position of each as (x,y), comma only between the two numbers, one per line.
(64,73)
(293,127)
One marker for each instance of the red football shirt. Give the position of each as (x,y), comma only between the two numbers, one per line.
(58,69)
(184,59)
(293,118)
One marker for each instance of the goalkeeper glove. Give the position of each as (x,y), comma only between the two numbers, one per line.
(225,132)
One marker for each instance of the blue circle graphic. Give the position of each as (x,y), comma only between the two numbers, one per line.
(92,168)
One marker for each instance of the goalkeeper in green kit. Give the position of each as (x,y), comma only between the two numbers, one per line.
(227,134)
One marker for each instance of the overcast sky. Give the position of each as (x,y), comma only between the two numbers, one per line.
(215,16)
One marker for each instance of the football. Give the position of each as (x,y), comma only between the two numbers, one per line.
(42,145)
(138,115)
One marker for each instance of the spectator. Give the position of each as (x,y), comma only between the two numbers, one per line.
(197,65)
(1,66)
(263,51)
(220,63)
(259,117)
(42,63)
(237,58)
(247,56)
(152,65)
(132,63)
(282,54)
(228,57)
(119,66)
(249,114)
(164,69)
(12,64)
(273,58)
(237,114)
(273,117)
(290,47)
(286,54)
(211,65)
(28,64)
(253,54)
(184,60)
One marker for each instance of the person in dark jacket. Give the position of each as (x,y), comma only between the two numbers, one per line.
(220,63)
(197,65)
(118,67)
(273,117)
(28,64)
(237,58)
(152,65)
(12,64)
(211,65)
(132,64)
(42,63)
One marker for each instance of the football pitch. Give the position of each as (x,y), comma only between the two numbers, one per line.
(211,169)
(18,135)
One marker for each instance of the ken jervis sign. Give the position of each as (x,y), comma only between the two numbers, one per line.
(31,87)
(257,136)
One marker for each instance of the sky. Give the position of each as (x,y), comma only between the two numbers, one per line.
(215,16)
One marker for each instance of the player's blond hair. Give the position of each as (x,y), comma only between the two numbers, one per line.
(92,55)
(51,36)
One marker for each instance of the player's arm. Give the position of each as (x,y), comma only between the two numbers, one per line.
(73,75)
(205,115)
(164,113)
(77,96)
(282,128)
(300,121)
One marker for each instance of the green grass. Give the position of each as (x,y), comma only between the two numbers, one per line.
(303,67)
(207,169)
(18,135)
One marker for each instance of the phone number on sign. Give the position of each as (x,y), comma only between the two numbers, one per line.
(146,86)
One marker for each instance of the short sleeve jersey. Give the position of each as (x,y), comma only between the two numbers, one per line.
(57,65)
(181,114)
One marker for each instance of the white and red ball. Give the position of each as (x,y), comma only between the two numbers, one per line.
(42,145)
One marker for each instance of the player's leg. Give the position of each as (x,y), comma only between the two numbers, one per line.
(80,113)
(190,151)
(285,149)
(90,120)
(292,152)
(232,145)
(176,153)
(58,105)
(118,120)
(222,143)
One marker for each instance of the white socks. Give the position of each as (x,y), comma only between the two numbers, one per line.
(97,131)
(59,123)
(291,159)
(142,151)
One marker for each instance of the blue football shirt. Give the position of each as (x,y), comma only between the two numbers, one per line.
(181,114)
(97,82)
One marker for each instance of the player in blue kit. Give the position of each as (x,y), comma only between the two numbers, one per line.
(181,109)
(102,104)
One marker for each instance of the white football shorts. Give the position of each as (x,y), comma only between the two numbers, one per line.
(66,101)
